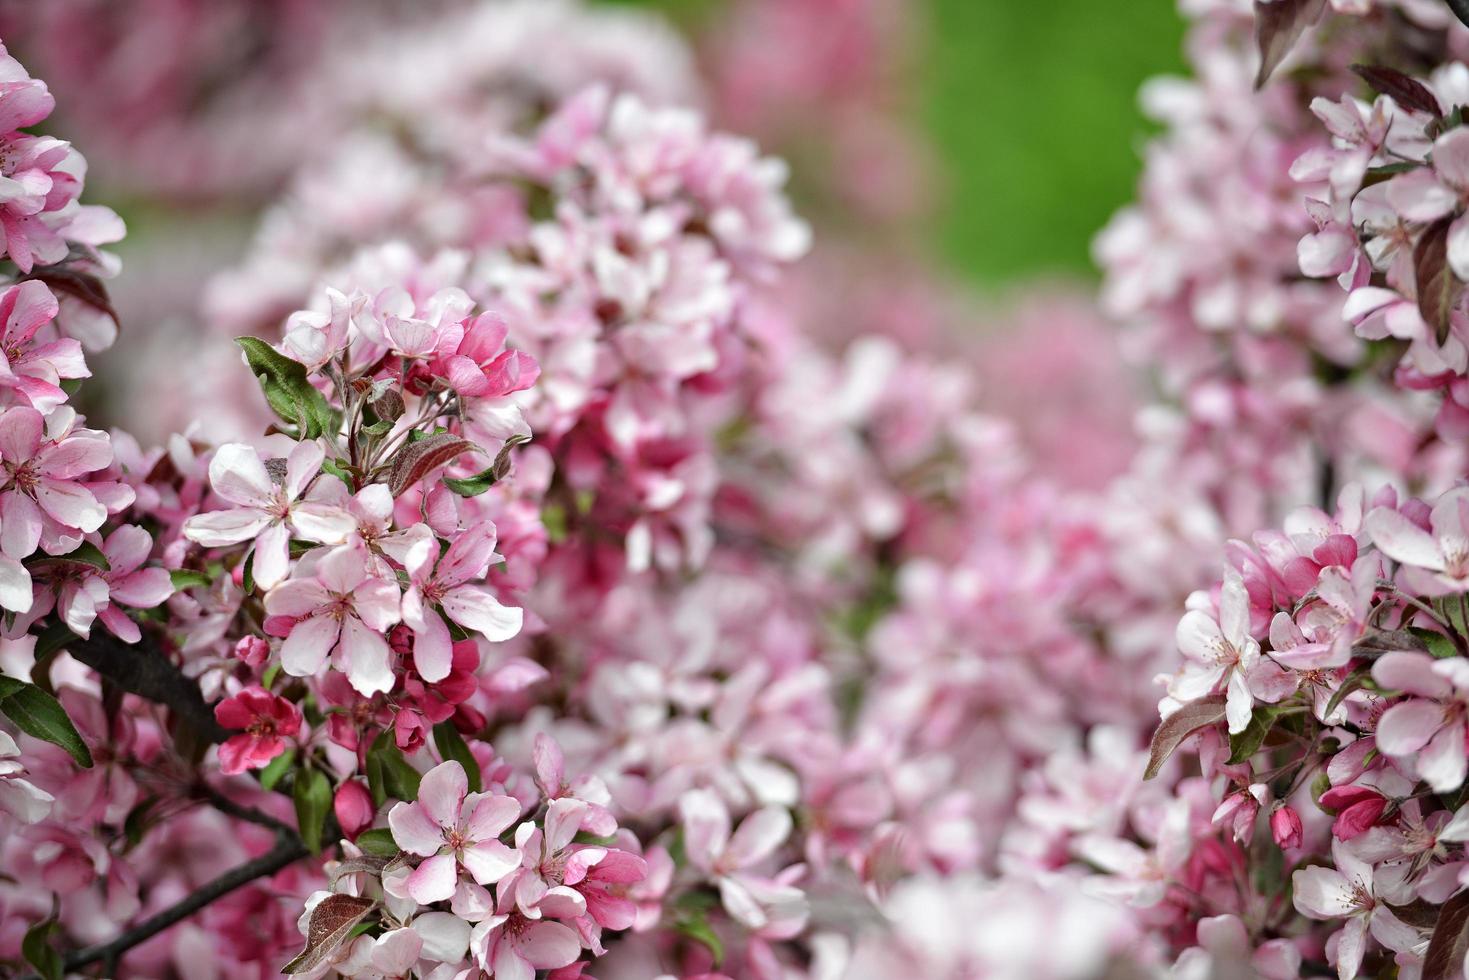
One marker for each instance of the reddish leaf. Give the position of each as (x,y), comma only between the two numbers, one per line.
(332,921)
(1450,942)
(1278,26)
(1438,288)
(418,459)
(1405,91)
(81,285)
(1179,726)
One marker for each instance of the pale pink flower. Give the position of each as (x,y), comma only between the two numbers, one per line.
(268,512)
(341,607)
(1224,944)
(513,947)
(452,584)
(753,900)
(128,582)
(45,500)
(1427,194)
(1435,563)
(24,802)
(1427,730)
(35,370)
(453,828)
(1348,891)
(1221,651)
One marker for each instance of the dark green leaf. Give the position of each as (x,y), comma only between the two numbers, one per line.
(276,769)
(378,842)
(313,795)
(451,745)
(187,578)
(36,948)
(287,390)
(40,715)
(1243,745)
(473,486)
(1436,643)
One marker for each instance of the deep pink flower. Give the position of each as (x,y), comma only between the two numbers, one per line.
(1358,809)
(353,807)
(452,584)
(267,720)
(1285,826)
(35,370)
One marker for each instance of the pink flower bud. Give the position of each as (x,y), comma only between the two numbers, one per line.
(1358,809)
(1285,826)
(353,807)
(253,650)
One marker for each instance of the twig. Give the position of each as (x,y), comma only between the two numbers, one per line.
(239,811)
(288,849)
(144,670)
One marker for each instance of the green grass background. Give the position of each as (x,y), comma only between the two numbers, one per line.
(1032,106)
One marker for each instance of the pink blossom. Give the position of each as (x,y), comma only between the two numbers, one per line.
(1348,891)
(268,512)
(1444,553)
(1426,731)
(451,585)
(353,807)
(753,900)
(35,370)
(453,828)
(340,607)
(19,798)
(267,720)
(513,947)
(1220,651)
(1285,826)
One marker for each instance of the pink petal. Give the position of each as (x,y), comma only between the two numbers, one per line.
(476,609)
(758,835)
(221,528)
(306,649)
(433,880)
(414,830)
(491,816)
(21,429)
(442,792)
(237,474)
(368,658)
(302,464)
(20,524)
(1405,728)
(1402,540)
(272,555)
(548,945)
(488,861)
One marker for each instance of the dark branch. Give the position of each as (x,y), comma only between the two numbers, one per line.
(287,850)
(144,670)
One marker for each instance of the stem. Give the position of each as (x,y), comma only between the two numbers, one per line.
(144,670)
(288,849)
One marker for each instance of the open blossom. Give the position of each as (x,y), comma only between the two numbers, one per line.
(268,511)
(451,584)
(267,721)
(45,500)
(339,607)
(1220,651)
(1350,891)
(752,899)
(1428,730)
(1437,562)
(82,593)
(34,369)
(19,798)
(453,828)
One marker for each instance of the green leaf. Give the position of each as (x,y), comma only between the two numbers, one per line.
(451,745)
(378,842)
(40,715)
(84,554)
(36,948)
(286,388)
(52,641)
(473,486)
(267,679)
(187,578)
(247,574)
(394,776)
(697,928)
(1243,745)
(1439,645)
(276,769)
(1352,683)
(135,825)
(313,795)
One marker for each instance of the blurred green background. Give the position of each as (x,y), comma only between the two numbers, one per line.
(1032,107)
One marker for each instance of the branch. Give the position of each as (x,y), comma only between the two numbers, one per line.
(144,670)
(288,849)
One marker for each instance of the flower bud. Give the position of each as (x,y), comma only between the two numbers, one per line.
(253,650)
(1285,826)
(353,807)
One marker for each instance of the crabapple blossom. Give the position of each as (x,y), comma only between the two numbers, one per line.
(452,828)
(267,720)
(269,512)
